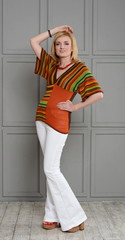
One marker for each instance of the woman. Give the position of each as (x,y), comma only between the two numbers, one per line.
(65,76)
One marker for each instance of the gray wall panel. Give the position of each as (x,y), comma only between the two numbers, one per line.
(110,74)
(108,34)
(20,23)
(20,91)
(107,163)
(20,163)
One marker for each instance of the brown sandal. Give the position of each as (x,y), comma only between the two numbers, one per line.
(75,229)
(82,226)
(49,225)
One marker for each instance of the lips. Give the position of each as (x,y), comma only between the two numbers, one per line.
(62,51)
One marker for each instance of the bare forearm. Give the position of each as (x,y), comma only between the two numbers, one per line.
(43,36)
(35,41)
(69,106)
(90,100)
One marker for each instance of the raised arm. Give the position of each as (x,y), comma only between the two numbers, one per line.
(35,41)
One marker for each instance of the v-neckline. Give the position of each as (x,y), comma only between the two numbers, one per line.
(63,72)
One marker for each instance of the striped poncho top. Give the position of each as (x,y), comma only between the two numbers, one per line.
(76,79)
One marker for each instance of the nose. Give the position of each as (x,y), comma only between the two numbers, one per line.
(62,45)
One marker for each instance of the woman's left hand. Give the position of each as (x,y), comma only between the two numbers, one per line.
(67,106)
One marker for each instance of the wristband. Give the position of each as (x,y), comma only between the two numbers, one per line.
(49,33)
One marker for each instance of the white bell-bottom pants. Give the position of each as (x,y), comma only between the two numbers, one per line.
(61,204)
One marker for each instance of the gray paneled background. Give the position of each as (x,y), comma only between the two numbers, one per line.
(93,160)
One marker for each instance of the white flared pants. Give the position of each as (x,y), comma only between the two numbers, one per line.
(61,204)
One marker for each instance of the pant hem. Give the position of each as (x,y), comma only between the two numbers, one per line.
(77,222)
(51,220)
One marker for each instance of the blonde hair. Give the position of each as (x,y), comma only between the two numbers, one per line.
(74,53)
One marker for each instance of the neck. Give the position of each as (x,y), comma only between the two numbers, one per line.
(65,61)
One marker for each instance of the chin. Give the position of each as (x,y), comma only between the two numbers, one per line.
(63,56)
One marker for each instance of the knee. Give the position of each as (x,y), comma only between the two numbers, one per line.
(50,173)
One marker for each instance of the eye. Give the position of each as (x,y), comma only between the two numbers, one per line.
(66,43)
(57,44)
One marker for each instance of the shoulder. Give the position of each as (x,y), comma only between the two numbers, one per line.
(81,64)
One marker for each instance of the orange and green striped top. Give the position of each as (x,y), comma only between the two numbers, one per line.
(76,79)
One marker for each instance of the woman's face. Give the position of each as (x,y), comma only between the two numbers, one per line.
(63,47)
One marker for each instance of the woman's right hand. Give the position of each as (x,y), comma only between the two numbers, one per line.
(62,28)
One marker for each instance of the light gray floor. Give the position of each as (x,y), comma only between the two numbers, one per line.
(21,221)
